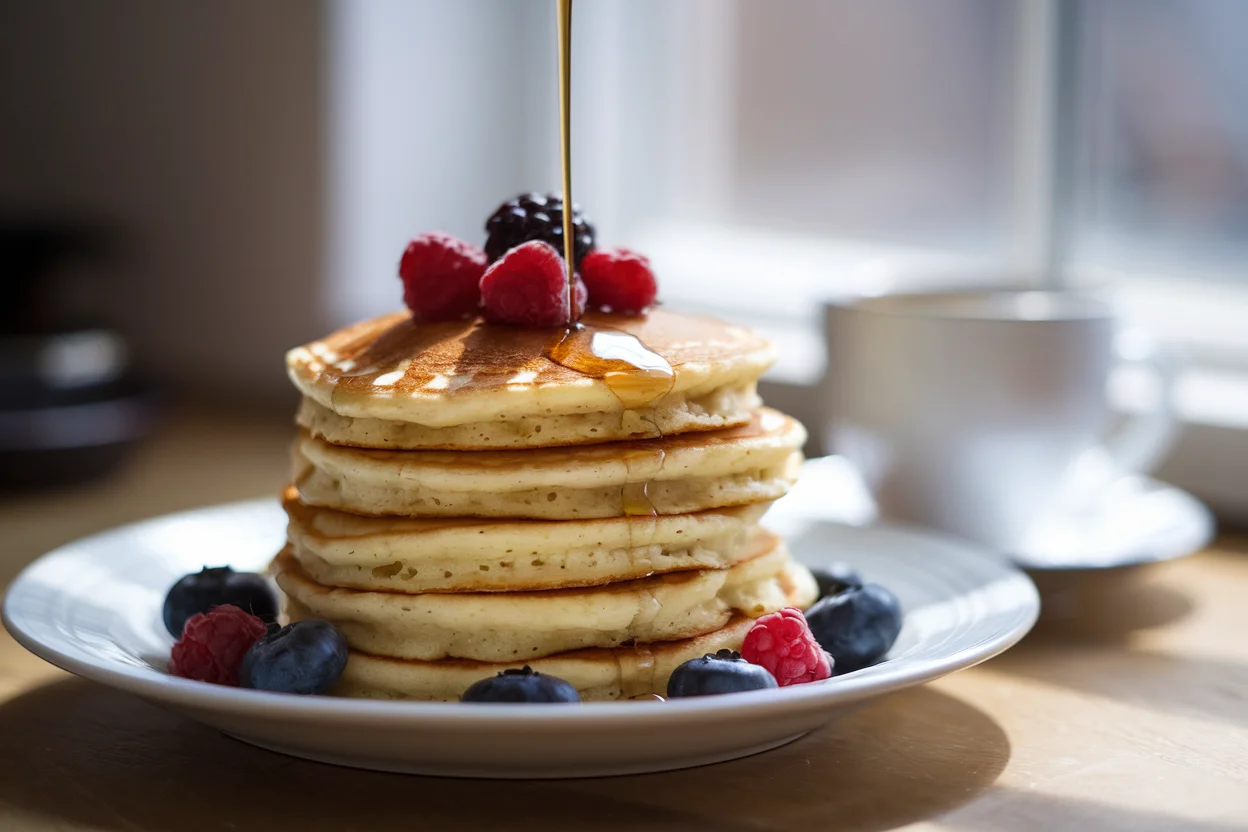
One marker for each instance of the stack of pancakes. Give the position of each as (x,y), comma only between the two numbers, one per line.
(464,500)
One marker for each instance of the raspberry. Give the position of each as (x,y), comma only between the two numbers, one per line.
(619,280)
(782,643)
(213,644)
(528,287)
(441,277)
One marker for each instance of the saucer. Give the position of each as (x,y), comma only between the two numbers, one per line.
(1130,521)
(94,608)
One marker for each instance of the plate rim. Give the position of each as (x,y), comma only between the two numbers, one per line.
(840,690)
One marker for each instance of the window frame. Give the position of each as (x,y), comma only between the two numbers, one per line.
(719,263)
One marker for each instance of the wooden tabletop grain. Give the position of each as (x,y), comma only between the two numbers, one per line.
(1127,709)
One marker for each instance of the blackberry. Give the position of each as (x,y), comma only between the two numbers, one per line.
(535,217)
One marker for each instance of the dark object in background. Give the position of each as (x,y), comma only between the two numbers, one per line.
(835,578)
(70,406)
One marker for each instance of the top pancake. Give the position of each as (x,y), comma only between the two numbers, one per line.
(466,385)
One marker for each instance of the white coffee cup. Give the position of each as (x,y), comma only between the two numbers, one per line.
(969,412)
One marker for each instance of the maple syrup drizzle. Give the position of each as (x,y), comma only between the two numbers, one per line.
(635,499)
(635,374)
(645,672)
(565,142)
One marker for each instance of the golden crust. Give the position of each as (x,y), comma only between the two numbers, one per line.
(464,372)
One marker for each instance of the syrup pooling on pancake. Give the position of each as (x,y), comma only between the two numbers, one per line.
(365,356)
(465,385)
(636,374)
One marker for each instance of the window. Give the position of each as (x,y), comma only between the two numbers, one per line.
(833,146)
(801,139)
(1087,137)
(768,155)
(1160,128)
(881,120)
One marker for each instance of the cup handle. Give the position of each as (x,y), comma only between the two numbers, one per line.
(1141,443)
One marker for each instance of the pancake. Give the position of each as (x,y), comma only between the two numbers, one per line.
(673,475)
(468,385)
(464,555)
(468,497)
(622,673)
(511,626)
(722,407)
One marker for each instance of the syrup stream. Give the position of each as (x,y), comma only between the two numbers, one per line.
(565,142)
(635,374)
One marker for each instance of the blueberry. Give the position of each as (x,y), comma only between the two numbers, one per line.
(305,657)
(836,578)
(524,685)
(213,587)
(857,626)
(714,673)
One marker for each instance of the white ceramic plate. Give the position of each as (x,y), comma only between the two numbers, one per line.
(93,608)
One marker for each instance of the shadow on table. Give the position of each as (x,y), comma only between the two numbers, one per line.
(1083,642)
(77,753)
(1196,687)
(1103,607)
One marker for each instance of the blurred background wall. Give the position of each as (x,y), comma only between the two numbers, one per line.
(264,163)
(196,130)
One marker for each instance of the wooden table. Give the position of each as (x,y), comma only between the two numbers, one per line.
(1127,712)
